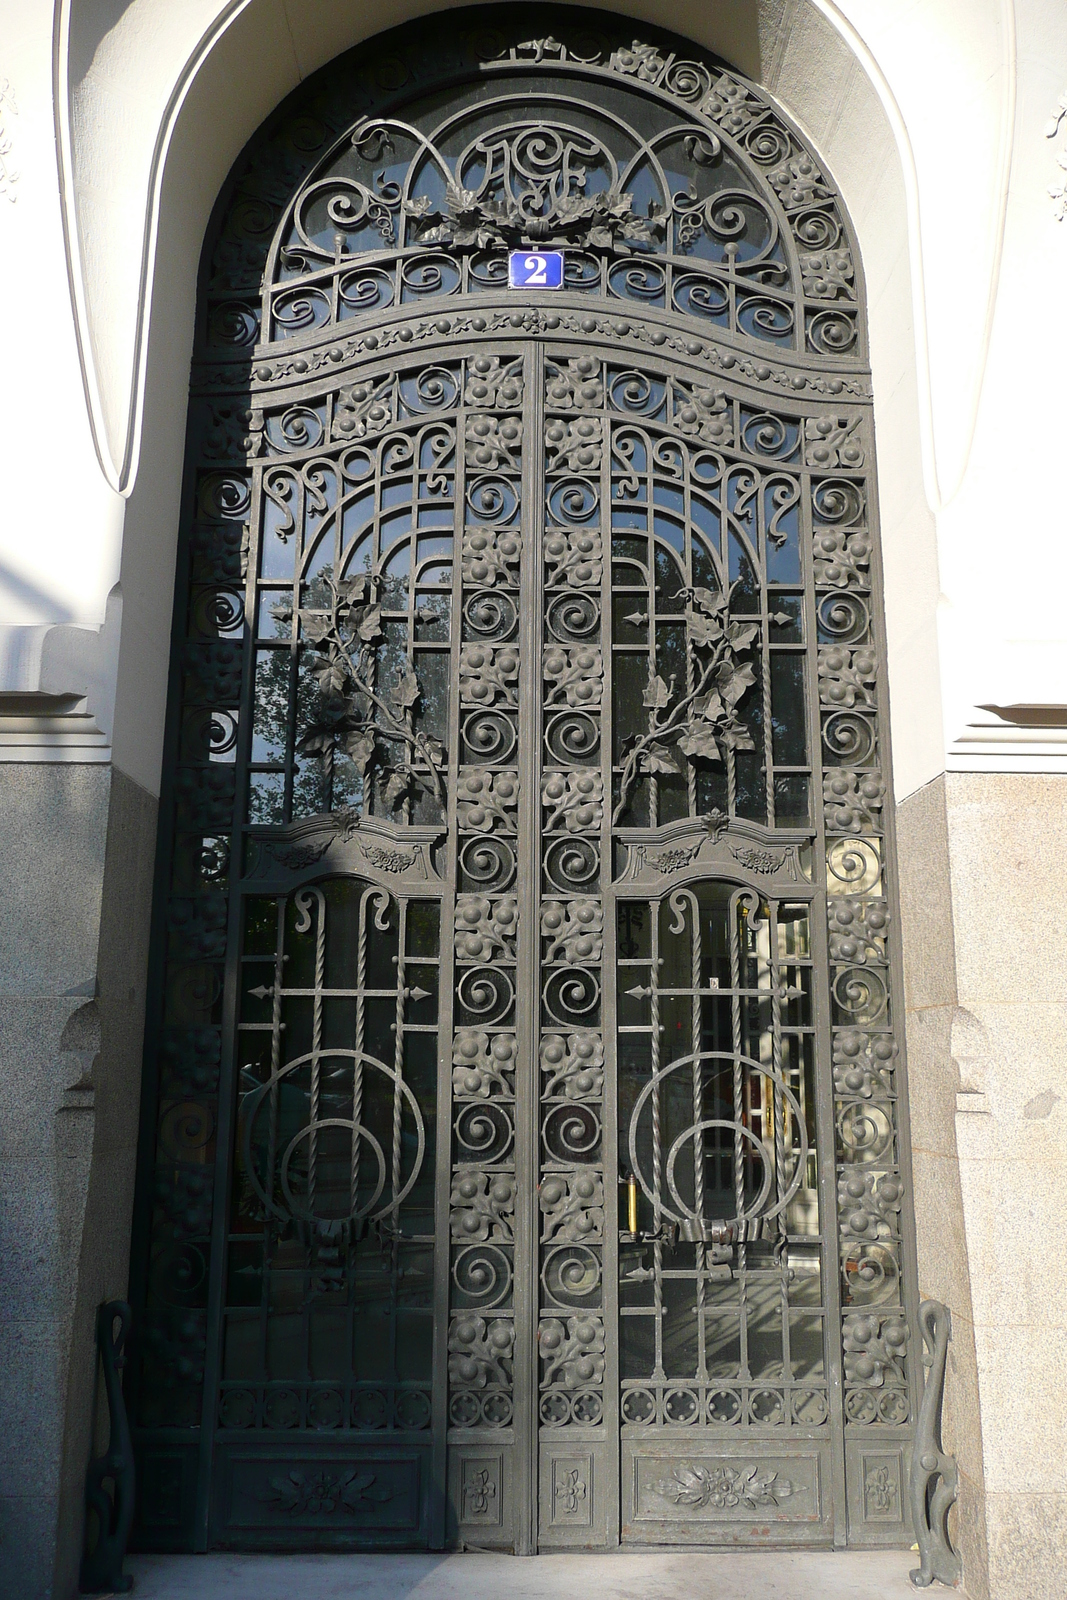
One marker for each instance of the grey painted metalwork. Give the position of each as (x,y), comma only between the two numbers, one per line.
(524,1162)
(934,1486)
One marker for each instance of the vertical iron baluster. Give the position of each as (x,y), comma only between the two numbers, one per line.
(737,959)
(393,1214)
(659,1374)
(696,1045)
(360,1042)
(270,1226)
(780,1149)
(316,1033)
(760,543)
(742,1093)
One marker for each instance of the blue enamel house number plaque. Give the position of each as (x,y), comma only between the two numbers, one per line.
(535,269)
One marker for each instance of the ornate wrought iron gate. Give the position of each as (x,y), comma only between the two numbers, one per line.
(523,1161)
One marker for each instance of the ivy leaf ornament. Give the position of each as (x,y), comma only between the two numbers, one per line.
(709,707)
(741,634)
(355,591)
(656,694)
(736,736)
(332,674)
(370,624)
(315,742)
(406,692)
(708,602)
(398,785)
(698,740)
(703,631)
(359,746)
(315,626)
(733,681)
(657,758)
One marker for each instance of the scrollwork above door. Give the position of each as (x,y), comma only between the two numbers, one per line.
(669,180)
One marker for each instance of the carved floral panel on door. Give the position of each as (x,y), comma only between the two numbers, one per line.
(526,1162)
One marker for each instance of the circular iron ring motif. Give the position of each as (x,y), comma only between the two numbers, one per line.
(256,1098)
(684,1212)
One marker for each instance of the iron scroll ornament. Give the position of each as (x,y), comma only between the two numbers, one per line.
(934,1474)
(668,219)
(719,211)
(109,1480)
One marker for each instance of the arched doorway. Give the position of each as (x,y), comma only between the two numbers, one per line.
(526,1168)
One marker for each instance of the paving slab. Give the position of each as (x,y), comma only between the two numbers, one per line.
(746,1575)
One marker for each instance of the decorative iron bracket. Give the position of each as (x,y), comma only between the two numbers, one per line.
(934,1475)
(109,1481)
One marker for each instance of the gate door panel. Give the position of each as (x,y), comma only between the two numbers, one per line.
(523,1165)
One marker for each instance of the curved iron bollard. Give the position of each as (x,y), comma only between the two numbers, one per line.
(934,1475)
(101,1567)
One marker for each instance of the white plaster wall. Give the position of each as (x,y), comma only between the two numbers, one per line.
(1001,536)
(60,522)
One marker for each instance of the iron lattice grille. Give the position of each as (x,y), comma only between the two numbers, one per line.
(337,1046)
(722,1315)
(527,1144)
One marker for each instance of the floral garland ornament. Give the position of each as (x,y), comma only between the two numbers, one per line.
(540,210)
(704,721)
(353,715)
(725,1487)
(470,222)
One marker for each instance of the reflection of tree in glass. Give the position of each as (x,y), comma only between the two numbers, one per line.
(314,788)
(271,726)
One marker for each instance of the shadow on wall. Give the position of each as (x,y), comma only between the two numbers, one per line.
(125,918)
(21,594)
(51,868)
